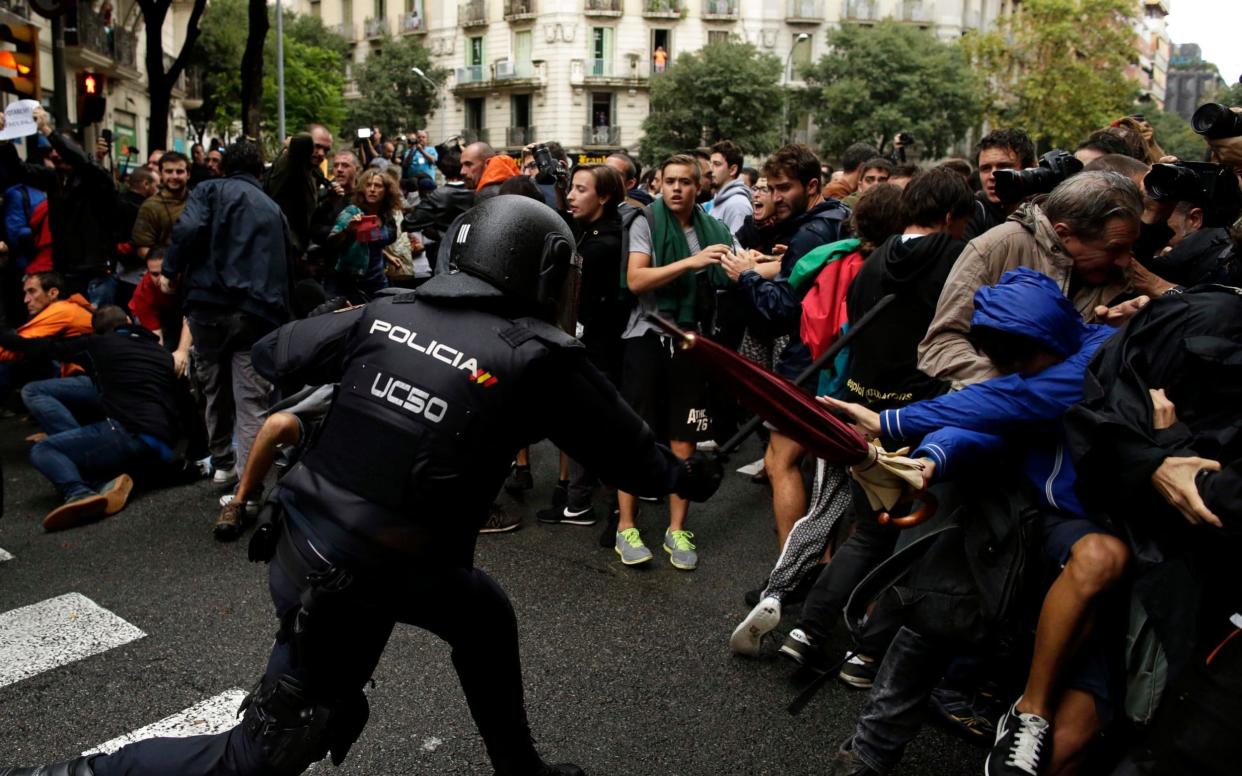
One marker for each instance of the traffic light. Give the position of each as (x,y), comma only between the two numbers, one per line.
(19,65)
(92,104)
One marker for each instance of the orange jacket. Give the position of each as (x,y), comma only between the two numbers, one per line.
(500,168)
(65,318)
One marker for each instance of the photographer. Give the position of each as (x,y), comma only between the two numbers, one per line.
(1004,149)
(1080,237)
(419,158)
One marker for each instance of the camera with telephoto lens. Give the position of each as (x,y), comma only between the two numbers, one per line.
(1054,167)
(1216,122)
(905,138)
(1208,186)
(550,168)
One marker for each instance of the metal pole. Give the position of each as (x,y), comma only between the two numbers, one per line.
(785,97)
(280,71)
(60,97)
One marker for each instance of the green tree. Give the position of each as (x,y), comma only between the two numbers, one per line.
(1230,95)
(886,79)
(1057,68)
(314,70)
(394,97)
(1176,137)
(724,91)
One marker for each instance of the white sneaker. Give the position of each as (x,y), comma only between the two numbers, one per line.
(224,476)
(748,635)
(252,507)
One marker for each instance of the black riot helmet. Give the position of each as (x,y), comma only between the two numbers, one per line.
(514,248)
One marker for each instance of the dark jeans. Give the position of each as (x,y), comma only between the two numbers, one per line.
(870,544)
(99,451)
(98,287)
(63,403)
(893,715)
(462,606)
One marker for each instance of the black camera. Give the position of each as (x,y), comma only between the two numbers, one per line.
(1216,122)
(905,138)
(1209,186)
(550,168)
(1054,167)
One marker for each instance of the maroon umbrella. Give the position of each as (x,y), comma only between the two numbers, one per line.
(790,410)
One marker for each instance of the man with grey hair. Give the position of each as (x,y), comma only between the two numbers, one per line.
(1080,236)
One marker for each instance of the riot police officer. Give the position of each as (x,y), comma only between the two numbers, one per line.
(376,524)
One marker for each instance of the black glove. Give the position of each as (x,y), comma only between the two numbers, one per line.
(700,477)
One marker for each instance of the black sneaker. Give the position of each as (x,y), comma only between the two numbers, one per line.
(520,480)
(1021,744)
(859,672)
(971,714)
(567,516)
(799,647)
(499,521)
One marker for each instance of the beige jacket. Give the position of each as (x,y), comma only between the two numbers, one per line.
(1025,240)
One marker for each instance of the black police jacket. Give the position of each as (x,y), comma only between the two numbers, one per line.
(434,400)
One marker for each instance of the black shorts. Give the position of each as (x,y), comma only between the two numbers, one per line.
(666,389)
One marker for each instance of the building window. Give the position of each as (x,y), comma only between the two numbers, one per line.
(379,9)
(661,50)
(717,36)
(800,56)
(474,114)
(601,51)
(523,47)
(474,52)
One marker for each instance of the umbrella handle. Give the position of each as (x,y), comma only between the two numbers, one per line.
(927,508)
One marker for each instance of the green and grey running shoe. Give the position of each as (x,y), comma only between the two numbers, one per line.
(680,550)
(631,548)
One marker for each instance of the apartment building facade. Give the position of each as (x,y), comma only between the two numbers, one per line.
(580,71)
(108,38)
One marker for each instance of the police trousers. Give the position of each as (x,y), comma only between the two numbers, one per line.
(464,607)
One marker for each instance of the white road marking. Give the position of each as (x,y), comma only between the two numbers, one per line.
(213,715)
(55,632)
(4,556)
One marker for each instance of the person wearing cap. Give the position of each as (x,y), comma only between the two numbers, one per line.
(376,525)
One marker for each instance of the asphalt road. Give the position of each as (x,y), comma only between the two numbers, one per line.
(627,671)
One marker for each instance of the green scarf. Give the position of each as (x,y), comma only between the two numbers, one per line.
(807,268)
(668,245)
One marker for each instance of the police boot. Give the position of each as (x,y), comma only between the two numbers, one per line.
(77,767)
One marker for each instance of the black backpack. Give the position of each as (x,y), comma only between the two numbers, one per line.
(967,582)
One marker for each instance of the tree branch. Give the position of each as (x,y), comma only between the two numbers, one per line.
(191,37)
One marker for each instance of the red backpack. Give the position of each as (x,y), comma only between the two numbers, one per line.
(823,307)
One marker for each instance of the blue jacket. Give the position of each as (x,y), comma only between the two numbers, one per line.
(1011,414)
(18,206)
(232,245)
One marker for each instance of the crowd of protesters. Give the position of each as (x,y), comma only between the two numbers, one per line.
(1055,343)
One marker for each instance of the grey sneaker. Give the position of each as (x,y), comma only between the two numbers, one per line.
(499,521)
(631,548)
(680,550)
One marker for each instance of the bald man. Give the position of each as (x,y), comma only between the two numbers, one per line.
(474,158)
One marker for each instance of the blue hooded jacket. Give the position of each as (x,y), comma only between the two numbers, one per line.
(1014,413)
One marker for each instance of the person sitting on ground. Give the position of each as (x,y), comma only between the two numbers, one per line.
(139,394)
(1036,338)
(50,316)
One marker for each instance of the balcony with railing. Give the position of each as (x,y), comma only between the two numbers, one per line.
(375,28)
(914,12)
(517,137)
(663,9)
(631,71)
(603,7)
(346,30)
(720,10)
(804,11)
(472,14)
(412,23)
(91,42)
(471,74)
(861,10)
(519,10)
(609,137)
(507,70)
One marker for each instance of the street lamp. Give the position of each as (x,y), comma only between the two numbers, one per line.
(418,71)
(785,105)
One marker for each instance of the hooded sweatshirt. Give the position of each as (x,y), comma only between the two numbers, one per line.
(732,204)
(883,369)
(1025,240)
(63,318)
(1014,414)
